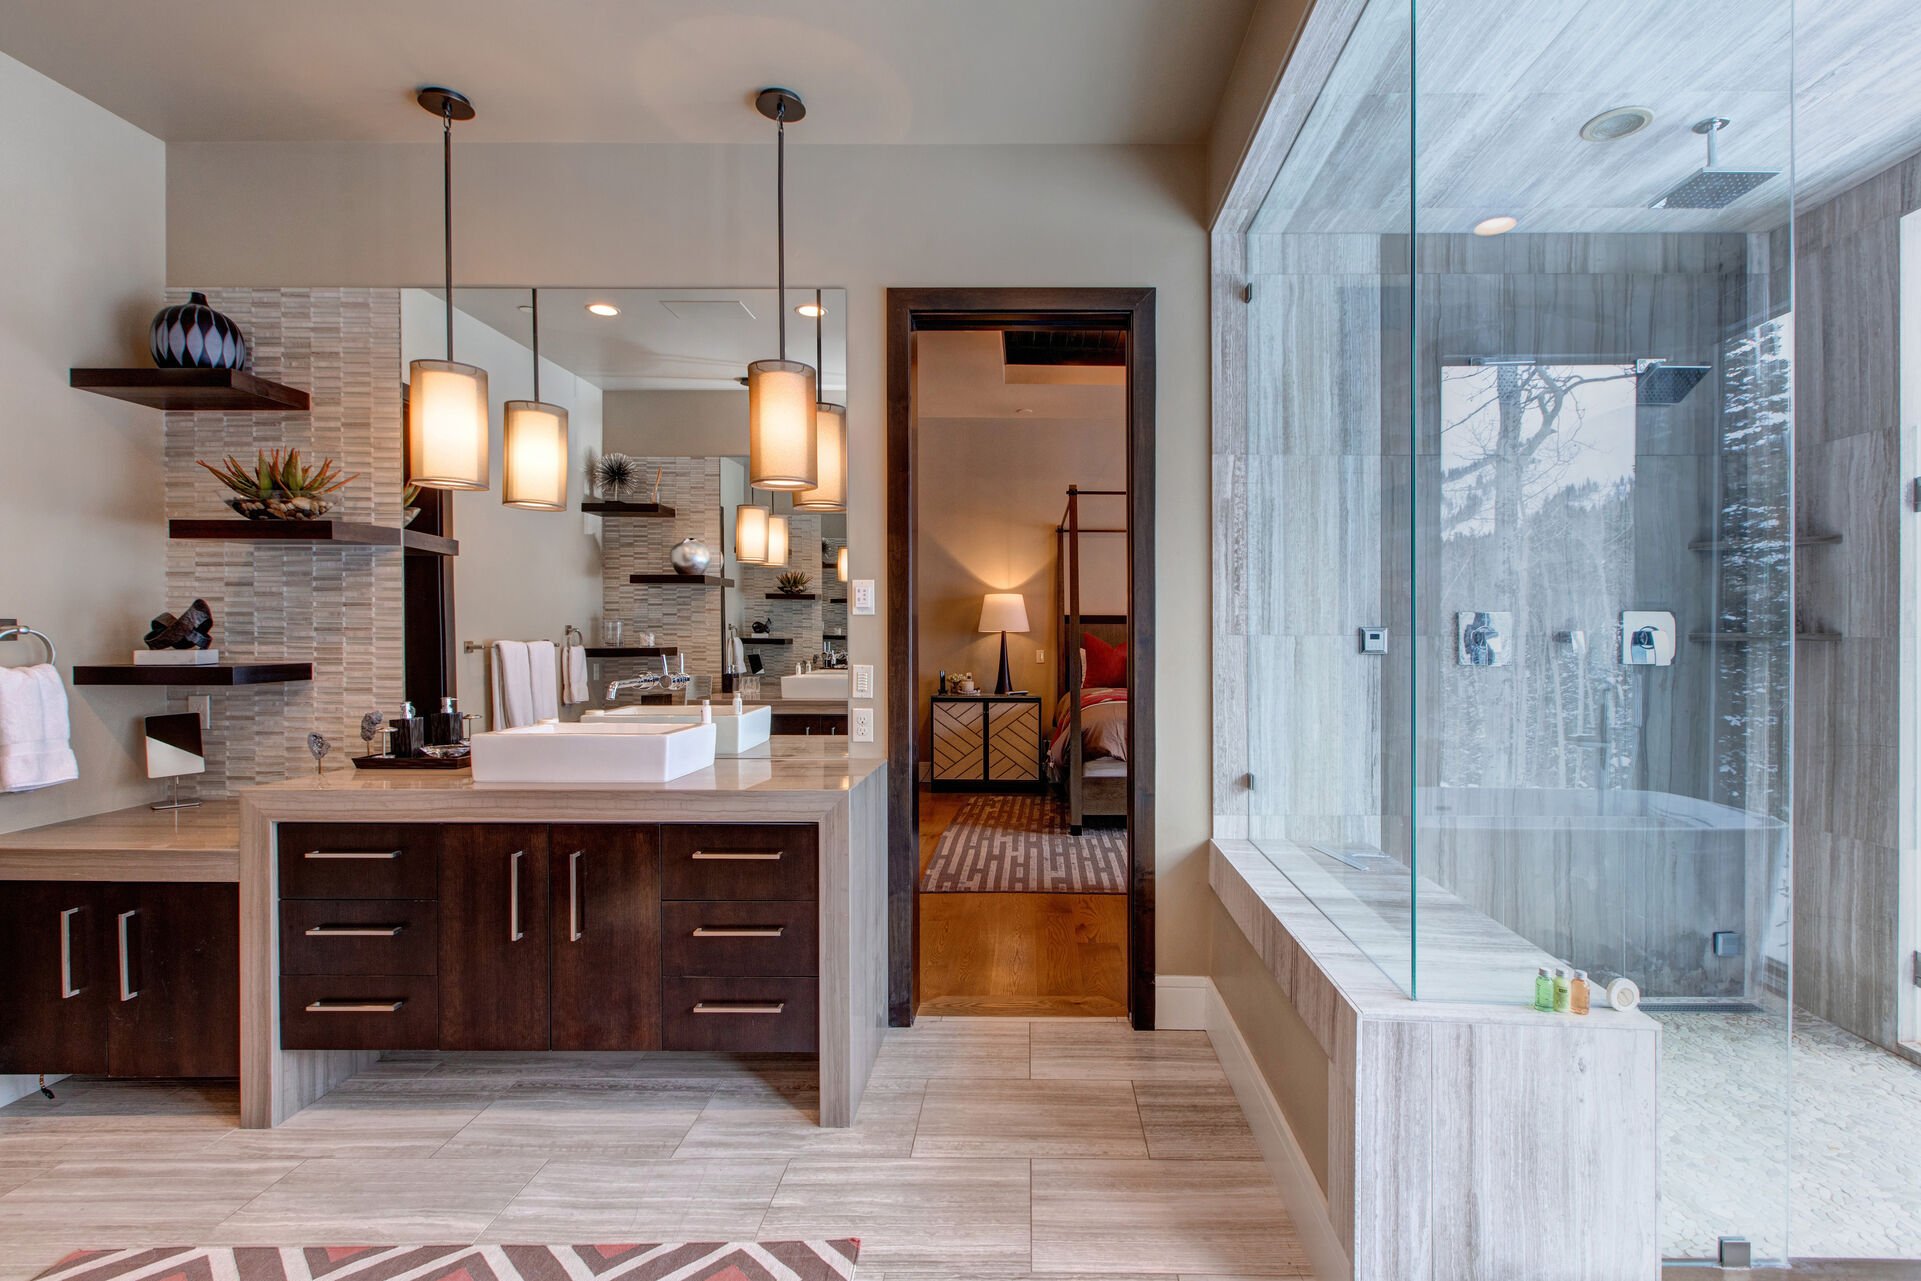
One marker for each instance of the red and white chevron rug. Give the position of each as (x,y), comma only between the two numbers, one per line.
(660,1261)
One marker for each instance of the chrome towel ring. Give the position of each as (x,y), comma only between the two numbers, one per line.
(10,629)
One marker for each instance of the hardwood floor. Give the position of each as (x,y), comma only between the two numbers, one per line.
(1017,955)
(985,1150)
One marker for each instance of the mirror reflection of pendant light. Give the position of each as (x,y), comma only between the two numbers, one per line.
(781,394)
(830,431)
(750,534)
(533,447)
(776,542)
(446,400)
(840,565)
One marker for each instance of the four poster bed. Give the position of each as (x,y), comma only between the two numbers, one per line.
(1087,746)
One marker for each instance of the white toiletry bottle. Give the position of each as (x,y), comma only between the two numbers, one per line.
(706,711)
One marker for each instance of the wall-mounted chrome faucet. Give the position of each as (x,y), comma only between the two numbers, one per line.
(1647,638)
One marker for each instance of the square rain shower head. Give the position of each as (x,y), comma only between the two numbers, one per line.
(1713,188)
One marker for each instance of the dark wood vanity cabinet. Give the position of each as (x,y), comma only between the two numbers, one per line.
(605,927)
(493,938)
(120,979)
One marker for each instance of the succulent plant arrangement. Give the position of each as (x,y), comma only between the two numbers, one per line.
(793,583)
(409,496)
(277,488)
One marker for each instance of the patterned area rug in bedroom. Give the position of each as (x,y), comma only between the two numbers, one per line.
(685,1261)
(1021,845)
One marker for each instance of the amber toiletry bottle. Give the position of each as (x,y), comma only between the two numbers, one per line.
(1577,993)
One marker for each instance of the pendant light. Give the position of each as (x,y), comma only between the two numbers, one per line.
(533,446)
(830,430)
(840,564)
(750,534)
(777,542)
(447,401)
(782,452)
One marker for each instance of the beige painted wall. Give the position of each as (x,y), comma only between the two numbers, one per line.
(81,504)
(859,216)
(675,424)
(991,495)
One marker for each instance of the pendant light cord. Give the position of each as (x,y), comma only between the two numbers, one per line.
(534,295)
(447,210)
(820,322)
(780,225)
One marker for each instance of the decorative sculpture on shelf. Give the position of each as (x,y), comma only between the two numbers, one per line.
(613,473)
(319,746)
(690,557)
(192,629)
(370,729)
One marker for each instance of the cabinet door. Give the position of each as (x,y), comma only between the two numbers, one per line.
(493,937)
(606,938)
(959,740)
(173,981)
(53,1007)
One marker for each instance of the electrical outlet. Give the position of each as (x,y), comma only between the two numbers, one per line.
(863,680)
(863,725)
(863,595)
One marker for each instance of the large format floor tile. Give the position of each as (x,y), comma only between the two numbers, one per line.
(379,1201)
(1194,1120)
(367,1124)
(924,1212)
(599,1123)
(955,1048)
(1198,1217)
(648,1200)
(127,1202)
(1030,1118)
(749,1126)
(1108,1049)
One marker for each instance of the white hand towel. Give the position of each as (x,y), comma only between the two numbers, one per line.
(740,655)
(34,730)
(573,675)
(543,661)
(513,692)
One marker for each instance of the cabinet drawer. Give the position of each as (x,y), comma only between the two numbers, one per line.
(359,1013)
(720,861)
(358,936)
(741,1014)
(358,860)
(740,939)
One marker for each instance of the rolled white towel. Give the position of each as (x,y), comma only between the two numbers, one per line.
(1615,991)
(543,664)
(35,733)
(513,686)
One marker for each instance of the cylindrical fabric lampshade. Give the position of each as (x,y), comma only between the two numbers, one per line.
(830,493)
(1003,612)
(776,541)
(533,471)
(840,565)
(446,425)
(750,534)
(782,443)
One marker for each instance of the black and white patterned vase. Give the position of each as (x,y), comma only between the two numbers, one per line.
(193,335)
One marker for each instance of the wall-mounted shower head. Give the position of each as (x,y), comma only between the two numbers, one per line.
(1713,187)
(1656,382)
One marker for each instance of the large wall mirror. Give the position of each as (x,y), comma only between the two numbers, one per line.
(654,384)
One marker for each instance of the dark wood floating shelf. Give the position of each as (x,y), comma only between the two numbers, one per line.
(836,600)
(679,580)
(211,674)
(767,640)
(633,651)
(792,596)
(353,533)
(418,540)
(1801,540)
(827,636)
(1743,638)
(228,390)
(598,507)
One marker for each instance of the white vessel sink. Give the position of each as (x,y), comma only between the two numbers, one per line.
(733,734)
(815,685)
(608,750)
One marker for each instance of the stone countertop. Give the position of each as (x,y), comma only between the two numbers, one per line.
(198,844)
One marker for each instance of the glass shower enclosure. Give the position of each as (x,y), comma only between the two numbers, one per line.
(1521,621)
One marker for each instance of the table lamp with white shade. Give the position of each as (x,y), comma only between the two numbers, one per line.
(1003,612)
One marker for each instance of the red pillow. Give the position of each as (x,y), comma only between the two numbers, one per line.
(1106,664)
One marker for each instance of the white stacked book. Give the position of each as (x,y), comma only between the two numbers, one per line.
(175,657)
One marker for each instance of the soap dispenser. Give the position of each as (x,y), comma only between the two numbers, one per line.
(444,727)
(409,732)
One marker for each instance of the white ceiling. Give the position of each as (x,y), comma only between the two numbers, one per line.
(654,71)
(961,375)
(647,347)
(1501,92)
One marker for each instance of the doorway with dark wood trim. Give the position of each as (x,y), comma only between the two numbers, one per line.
(1129,314)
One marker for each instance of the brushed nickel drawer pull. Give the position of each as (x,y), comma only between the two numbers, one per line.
(740,856)
(67,990)
(514,932)
(353,931)
(739,1007)
(574,931)
(127,989)
(739,931)
(353,854)
(325,1006)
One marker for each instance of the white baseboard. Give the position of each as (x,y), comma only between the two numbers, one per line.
(1299,1188)
(1180,1002)
(19,1087)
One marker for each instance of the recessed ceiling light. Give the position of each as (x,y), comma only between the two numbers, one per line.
(1496,226)
(603,309)
(1617,122)
(810,310)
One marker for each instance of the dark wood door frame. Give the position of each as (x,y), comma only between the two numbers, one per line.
(1130,311)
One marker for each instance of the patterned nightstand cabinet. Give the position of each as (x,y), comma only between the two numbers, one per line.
(987,743)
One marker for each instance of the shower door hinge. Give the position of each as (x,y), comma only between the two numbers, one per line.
(1914,494)
(1247,292)
(1914,970)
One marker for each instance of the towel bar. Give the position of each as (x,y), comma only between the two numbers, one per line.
(13,629)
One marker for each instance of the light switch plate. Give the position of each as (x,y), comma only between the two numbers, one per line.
(863,595)
(1040,656)
(202,706)
(863,680)
(863,725)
